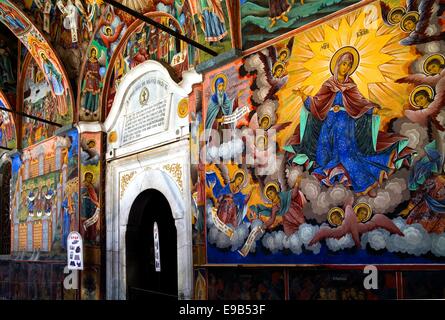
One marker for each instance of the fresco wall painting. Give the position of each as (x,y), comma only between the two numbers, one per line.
(43,54)
(45,203)
(39,101)
(264,20)
(8,135)
(91,217)
(352,114)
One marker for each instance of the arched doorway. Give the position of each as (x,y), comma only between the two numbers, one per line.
(146,279)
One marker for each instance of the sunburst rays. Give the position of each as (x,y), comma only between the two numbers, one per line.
(382,60)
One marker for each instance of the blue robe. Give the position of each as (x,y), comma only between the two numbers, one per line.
(54,77)
(342,141)
(219,191)
(219,102)
(66,223)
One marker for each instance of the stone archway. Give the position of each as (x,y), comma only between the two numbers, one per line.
(117,218)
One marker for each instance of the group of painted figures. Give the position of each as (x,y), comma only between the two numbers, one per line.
(40,200)
(338,142)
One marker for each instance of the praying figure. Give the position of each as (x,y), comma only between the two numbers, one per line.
(338,134)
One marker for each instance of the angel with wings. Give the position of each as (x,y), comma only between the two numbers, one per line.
(261,148)
(111,29)
(271,72)
(351,225)
(430,103)
(229,194)
(425,10)
(284,206)
(415,18)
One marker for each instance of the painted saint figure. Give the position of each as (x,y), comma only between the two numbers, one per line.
(138,50)
(90,206)
(286,210)
(229,198)
(109,36)
(211,18)
(339,133)
(48,194)
(92,84)
(219,105)
(54,77)
(17,24)
(31,198)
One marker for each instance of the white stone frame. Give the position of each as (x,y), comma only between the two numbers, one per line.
(145,161)
(116,221)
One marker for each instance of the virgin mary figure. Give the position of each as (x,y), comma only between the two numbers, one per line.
(338,136)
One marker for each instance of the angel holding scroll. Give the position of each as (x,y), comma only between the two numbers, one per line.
(284,206)
(229,194)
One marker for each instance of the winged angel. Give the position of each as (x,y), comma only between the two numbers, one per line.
(283,204)
(229,194)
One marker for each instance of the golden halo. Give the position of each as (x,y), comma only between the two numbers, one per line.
(432,57)
(414,14)
(237,172)
(183,108)
(273,184)
(331,213)
(276,65)
(219,76)
(393,10)
(112,137)
(287,53)
(95,49)
(107,28)
(365,206)
(265,116)
(339,53)
(262,136)
(417,89)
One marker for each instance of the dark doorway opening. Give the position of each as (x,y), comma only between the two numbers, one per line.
(5,221)
(143,280)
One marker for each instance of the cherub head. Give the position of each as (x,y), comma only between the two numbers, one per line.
(397,15)
(265,122)
(362,214)
(434,66)
(283,55)
(278,70)
(422,99)
(336,216)
(409,24)
(261,142)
